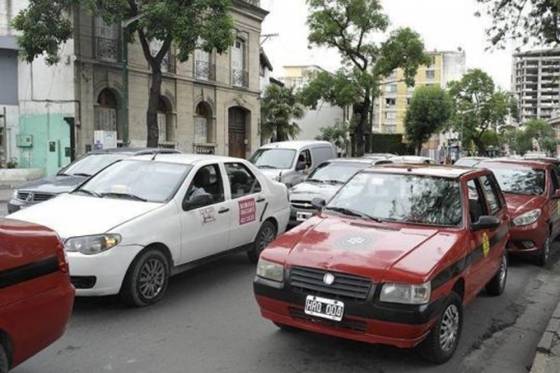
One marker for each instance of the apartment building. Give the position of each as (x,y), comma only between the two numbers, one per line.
(536,83)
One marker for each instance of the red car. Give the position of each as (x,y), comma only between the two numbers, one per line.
(391,259)
(532,191)
(36,296)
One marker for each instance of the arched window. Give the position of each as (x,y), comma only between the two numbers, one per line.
(165,121)
(106,113)
(203,122)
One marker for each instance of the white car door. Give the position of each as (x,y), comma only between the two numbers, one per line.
(247,203)
(206,226)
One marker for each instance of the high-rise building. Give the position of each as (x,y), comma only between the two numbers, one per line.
(535,83)
(390,107)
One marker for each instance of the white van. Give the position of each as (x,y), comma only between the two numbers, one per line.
(290,162)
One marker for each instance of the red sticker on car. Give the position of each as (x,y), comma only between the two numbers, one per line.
(247,211)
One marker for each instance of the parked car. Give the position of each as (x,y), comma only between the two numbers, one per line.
(470,161)
(36,296)
(323,183)
(379,155)
(139,221)
(532,192)
(291,161)
(391,259)
(412,159)
(71,176)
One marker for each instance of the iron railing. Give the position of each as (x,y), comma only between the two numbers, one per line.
(240,78)
(204,70)
(107,49)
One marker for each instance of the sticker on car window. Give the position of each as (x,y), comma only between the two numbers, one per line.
(485,244)
(208,215)
(247,211)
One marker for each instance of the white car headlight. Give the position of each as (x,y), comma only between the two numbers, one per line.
(527,218)
(15,194)
(406,294)
(270,271)
(92,245)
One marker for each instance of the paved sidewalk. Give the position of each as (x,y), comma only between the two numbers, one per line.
(547,359)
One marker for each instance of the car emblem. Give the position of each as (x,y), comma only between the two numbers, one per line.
(356,240)
(29,197)
(328,278)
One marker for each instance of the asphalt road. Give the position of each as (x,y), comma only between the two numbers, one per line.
(209,322)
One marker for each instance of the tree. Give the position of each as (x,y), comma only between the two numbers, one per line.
(279,107)
(351,26)
(479,107)
(534,21)
(336,134)
(540,131)
(204,24)
(429,112)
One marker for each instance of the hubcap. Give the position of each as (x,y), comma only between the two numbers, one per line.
(503,272)
(449,329)
(152,278)
(267,236)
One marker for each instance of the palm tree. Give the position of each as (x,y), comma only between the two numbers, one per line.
(279,108)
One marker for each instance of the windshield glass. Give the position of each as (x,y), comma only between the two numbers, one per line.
(138,180)
(402,198)
(519,180)
(91,164)
(466,162)
(339,172)
(282,159)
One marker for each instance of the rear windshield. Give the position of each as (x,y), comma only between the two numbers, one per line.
(519,180)
(402,198)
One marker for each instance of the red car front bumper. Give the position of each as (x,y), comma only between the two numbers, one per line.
(528,239)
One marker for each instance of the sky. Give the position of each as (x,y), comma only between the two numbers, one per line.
(443,25)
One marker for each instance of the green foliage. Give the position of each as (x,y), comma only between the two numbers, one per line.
(530,22)
(543,133)
(351,26)
(337,134)
(429,112)
(279,107)
(205,24)
(479,107)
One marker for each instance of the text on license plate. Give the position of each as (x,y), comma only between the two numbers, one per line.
(303,216)
(324,308)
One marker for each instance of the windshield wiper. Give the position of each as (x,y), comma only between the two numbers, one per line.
(88,192)
(268,166)
(351,212)
(81,174)
(124,195)
(333,182)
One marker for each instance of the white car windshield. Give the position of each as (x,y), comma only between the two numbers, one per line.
(145,181)
(401,198)
(91,164)
(281,159)
(336,172)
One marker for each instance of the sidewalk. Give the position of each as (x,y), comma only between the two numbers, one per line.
(547,359)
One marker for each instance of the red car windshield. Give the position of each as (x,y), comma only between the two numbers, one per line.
(519,180)
(401,198)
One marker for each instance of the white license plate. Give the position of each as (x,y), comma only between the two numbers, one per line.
(303,216)
(324,308)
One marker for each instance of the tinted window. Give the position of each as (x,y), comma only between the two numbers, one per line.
(519,180)
(491,194)
(335,172)
(241,180)
(305,159)
(274,158)
(138,180)
(402,198)
(207,181)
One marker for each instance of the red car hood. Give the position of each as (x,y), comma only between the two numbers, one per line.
(349,246)
(518,203)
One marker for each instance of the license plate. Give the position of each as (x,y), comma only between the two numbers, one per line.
(303,216)
(324,308)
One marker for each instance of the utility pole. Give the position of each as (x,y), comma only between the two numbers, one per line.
(4,159)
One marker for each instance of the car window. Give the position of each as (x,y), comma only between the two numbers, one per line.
(281,159)
(335,172)
(491,194)
(91,164)
(305,158)
(207,181)
(322,154)
(515,179)
(241,180)
(554,178)
(476,203)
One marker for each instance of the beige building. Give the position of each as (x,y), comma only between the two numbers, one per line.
(209,104)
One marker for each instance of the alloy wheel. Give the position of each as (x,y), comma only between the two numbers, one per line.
(152,278)
(449,329)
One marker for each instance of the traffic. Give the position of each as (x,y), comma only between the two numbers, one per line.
(382,249)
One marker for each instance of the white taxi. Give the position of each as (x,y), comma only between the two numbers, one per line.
(133,225)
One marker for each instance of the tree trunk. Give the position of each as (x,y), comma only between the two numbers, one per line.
(153,105)
(361,111)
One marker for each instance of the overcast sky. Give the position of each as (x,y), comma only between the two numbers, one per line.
(443,24)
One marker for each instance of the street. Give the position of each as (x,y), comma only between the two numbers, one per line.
(209,322)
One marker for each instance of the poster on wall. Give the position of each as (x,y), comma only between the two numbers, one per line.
(104,140)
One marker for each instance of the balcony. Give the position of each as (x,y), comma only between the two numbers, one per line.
(254,2)
(204,70)
(107,49)
(240,78)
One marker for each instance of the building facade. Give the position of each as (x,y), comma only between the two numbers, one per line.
(325,115)
(535,83)
(95,98)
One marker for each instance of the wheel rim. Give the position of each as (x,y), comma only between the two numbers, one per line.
(449,329)
(267,236)
(503,272)
(152,278)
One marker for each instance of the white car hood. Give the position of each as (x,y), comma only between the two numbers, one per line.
(272,173)
(71,215)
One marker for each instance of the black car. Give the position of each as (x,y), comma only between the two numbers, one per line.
(71,176)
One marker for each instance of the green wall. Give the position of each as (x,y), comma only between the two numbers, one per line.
(51,137)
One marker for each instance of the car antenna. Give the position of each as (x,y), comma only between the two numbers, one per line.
(155,156)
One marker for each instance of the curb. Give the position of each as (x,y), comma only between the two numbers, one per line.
(547,360)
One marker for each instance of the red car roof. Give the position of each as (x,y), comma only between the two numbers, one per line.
(426,170)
